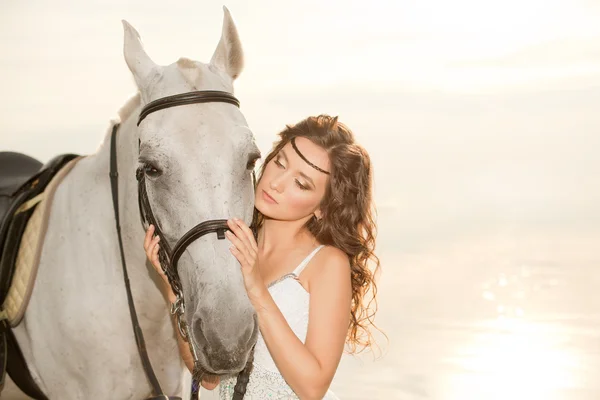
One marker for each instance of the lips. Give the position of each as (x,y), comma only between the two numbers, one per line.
(268,198)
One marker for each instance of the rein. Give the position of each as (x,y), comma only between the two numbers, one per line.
(137,330)
(169,257)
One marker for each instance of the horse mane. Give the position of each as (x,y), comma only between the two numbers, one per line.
(122,114)
(129,106)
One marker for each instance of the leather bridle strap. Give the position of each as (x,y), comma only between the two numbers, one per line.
(147,218)
(219,226)
(137,330)
(204,96)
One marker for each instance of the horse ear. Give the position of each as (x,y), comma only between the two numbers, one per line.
(139,63)
(229,56)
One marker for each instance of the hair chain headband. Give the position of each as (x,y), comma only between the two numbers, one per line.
(293,141)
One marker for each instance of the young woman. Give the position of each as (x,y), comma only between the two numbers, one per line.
(307,273)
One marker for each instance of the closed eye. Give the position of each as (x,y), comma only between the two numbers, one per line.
(301,186)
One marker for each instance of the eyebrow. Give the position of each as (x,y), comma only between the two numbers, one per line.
(308,178)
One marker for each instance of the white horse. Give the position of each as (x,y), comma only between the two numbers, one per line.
(77,334)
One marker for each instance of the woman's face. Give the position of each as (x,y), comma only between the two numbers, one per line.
(290,189)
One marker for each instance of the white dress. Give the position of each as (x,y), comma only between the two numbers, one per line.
(265,380)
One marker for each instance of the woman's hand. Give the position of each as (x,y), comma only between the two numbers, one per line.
(151,247)
(245,250)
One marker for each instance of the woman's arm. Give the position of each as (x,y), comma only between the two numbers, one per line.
(309,368)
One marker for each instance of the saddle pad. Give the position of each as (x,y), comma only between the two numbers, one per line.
(30,250)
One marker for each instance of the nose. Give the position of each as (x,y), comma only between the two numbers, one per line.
(277,183)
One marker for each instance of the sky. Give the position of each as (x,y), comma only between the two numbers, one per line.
(477,114)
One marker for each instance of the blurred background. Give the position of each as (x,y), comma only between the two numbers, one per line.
(482,121)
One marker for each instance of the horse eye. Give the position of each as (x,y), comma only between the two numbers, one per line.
(151,171)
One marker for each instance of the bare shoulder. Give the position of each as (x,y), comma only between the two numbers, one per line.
(334,256)
(329,266)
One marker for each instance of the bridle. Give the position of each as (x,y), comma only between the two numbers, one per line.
(169,257)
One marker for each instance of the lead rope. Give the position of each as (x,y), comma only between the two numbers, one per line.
(157,392)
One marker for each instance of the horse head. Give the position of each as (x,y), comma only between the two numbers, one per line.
(197,163)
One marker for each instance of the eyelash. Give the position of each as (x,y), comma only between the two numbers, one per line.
(301,186)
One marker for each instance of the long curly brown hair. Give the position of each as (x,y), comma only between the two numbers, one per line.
(348,215)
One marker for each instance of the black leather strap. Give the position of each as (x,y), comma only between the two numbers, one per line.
(17,368)
(219,226)
(137,330)
(9,242)
(3,360)
(204,96)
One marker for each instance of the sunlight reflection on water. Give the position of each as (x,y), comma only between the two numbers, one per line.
(489,318)
(514,359)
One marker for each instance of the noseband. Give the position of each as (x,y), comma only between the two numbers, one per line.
(169,257)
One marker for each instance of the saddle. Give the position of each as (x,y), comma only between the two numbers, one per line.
(22,178)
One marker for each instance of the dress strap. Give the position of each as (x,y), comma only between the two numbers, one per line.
(305,262)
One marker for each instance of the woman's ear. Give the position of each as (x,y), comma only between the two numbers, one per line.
(318,214)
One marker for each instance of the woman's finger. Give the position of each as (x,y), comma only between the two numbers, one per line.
(148,237)
(247,232)
(154,240)
(240,246)
(237,243)
(149,251)
(234,227)
(155,259)
(152,248)
(242,238)
(239,256)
